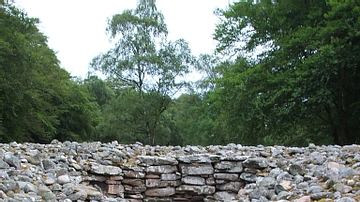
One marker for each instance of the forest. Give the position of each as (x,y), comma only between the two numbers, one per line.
(283,73)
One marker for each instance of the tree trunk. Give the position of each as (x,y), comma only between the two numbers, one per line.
(341,109)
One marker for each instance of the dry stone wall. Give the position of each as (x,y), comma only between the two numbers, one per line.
(72,171)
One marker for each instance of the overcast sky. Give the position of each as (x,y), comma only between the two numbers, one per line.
(76,28)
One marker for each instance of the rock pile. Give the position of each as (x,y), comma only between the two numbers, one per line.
(72,171)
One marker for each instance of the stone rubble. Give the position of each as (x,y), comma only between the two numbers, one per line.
(109,172)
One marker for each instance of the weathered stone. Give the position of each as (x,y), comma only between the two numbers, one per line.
(200,190)
(229,166)
(105,170)
(249,177)
(230,186)
(115,189)
(48,164)
(255,163)
(51,173)
(170,176)
(156,160)
(279,188)
(193,180)
(161,169)
(3,164)
(224,196)
(296,169)
(320,195)
(160,192)
(346,172)
(268,182)
(161,183)
(196,169)
(80,195)
(199,158)
(12,160)
(133,174)
(226,176)
(234,157)
(317,158)
(63,179)
(314,189)
(134,190)
(92,193)
(258,193)
(10,185)
(284,195)
(345,199)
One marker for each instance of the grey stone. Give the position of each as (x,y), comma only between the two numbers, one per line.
(199,158)
(49,181)
(48,164)
(155,160)
(317,158)
(268,182)
(11,185)
(279,188)
(170,176)
(230,186)
(63,179)
(160,192)
(284,176)
(249,177)
(196,169)
(296,169)
(28,187)
(229,166)
(3,164)
(303,185)
(92,193)
(161,169)
(255,163)
(133,174)
(11,159)
(346,172)
(227,176)
(161,183)
(112,172)
(200,190)
(314,189)
(259,192)
(345,199)
(193,180)
(320,195)
(105,170)
(68,190)
(284,195)
(224,196)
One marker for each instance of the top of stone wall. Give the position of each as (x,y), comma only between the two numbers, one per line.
(224,169)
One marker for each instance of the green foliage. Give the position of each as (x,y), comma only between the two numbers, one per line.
(99,89)
(38,101)
(304,84)
(146,64)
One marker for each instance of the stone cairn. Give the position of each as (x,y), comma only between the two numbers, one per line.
(72,171)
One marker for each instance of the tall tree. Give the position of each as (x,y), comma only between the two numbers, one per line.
(38,100)
(143,60)
(309,66)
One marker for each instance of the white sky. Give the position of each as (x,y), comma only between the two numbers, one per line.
(76,28)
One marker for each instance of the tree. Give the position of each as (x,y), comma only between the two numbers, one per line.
(143,60)
(100,90)
(309,68)
(38,100)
